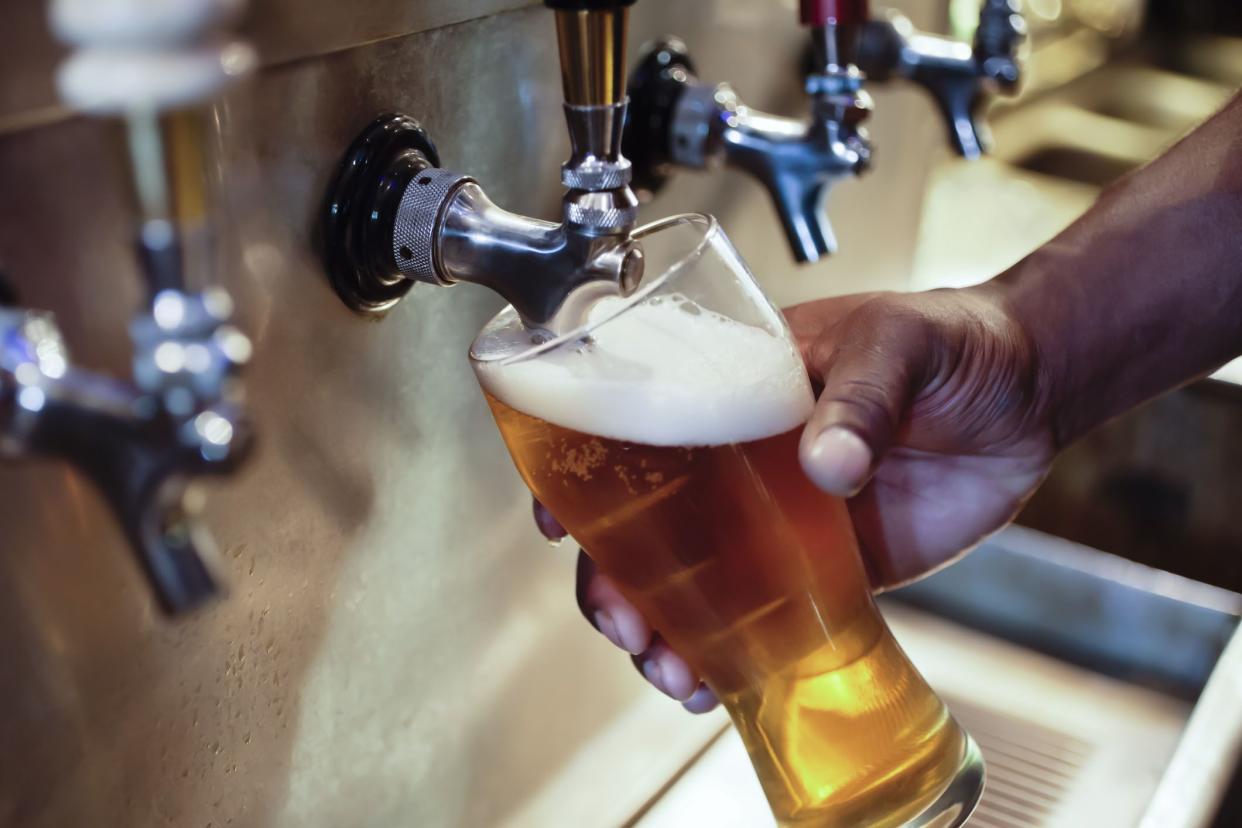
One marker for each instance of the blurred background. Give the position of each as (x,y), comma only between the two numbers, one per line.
(398,645)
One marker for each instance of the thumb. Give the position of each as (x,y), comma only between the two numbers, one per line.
(868,383)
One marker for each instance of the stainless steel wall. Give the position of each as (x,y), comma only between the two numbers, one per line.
(399,647)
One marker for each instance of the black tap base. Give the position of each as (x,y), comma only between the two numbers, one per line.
(357,224)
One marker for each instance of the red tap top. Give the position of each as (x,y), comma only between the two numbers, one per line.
(839,12)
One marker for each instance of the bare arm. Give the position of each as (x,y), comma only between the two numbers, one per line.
(1144,292)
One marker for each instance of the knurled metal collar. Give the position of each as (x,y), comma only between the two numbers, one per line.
(414,229)
(600,218)
(596,175)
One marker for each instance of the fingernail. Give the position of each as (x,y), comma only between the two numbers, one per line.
(632,633)
(703,700)
(838,461)
(654,674)
(548,525)
(605,624)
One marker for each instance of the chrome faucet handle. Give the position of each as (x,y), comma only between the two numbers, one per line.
(959,76)
(142,459)
(394,216)
(679,121)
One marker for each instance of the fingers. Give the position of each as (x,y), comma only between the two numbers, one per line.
(608,611)
(548,525)
(868,367)
(703,700)
(667,671)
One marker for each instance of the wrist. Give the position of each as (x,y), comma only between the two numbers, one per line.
(1048,352)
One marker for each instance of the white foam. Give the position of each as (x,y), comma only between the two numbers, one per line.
(666,372)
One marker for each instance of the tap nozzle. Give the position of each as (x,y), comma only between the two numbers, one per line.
(679,121)
(959,76)
(395,217)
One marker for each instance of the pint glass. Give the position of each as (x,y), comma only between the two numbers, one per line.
(663,435)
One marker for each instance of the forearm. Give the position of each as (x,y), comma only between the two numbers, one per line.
(1144,292)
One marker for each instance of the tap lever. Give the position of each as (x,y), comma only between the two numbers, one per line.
(818,13)
(591,37)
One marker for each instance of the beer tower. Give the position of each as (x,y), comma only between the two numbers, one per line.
(144,442)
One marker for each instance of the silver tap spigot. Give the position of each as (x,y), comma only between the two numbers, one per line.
(144,443)
(679,121)
(959,76)
(395,217)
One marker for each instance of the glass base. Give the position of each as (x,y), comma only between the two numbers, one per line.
(958,800)
(950,809)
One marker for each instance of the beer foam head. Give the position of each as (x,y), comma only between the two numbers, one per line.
(665,372)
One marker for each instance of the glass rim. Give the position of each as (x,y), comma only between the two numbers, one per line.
(711,228)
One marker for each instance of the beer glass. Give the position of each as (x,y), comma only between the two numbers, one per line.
(663,435)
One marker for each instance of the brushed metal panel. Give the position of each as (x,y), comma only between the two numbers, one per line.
(290,29)
(399,647)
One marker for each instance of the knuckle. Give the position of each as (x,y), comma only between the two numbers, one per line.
(863,402)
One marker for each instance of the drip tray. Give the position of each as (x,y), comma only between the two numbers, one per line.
(1065,746)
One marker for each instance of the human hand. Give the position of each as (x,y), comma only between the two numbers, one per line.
(932,418)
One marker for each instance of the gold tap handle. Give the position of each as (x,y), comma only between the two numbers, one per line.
(591,35)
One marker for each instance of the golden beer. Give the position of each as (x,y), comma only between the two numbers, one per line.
(667,444)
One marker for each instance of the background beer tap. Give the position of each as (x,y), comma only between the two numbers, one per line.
(144,442)
(679,121)
(959,76)
(395,217)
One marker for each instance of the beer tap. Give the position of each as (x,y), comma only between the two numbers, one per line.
(144,442)
(395,217)
(676,120)
(959,76)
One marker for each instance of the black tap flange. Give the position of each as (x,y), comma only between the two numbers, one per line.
(361,208)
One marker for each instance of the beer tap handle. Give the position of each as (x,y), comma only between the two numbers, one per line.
(835,12)
(835,27)
(591,36)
